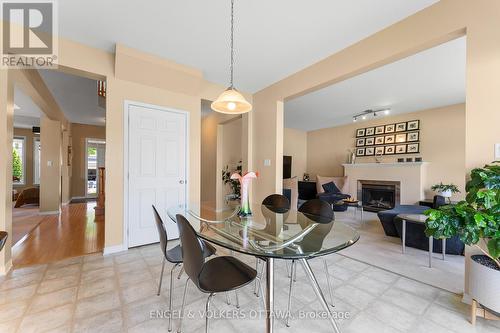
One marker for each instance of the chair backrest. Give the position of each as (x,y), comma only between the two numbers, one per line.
(192,251)
(438,201)
(162,232)
(277,203)
(318,210)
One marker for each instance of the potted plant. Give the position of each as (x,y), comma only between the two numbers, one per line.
(233,183)
(476,220)
(445,190)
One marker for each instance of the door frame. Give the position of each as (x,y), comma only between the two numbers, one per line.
(85,166)
(126,147)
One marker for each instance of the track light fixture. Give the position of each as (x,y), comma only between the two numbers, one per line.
(370,113)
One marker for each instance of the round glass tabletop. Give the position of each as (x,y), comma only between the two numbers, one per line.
(268,232)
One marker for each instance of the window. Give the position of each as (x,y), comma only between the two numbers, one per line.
(18,160)
(36,161)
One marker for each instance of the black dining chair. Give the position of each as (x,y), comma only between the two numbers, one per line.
(174,256)
(275,203)
(318,211)
(220,274)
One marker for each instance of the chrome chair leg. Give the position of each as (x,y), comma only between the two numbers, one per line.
(180,273)
(170,297)
(261,290)
(319,293)
(288,310)
(237,299)
(260,276)
(287,269)
(330,290)
(208,311)
(294,273)
(228,300)
(179,330)
(257,264)
(161,276)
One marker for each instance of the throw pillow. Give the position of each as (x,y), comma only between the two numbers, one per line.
(331,188)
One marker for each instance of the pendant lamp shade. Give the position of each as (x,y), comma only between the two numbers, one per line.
(231,101)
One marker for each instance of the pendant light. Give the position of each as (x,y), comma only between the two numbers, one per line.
(231,101)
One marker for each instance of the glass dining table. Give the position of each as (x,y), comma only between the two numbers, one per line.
(271,233)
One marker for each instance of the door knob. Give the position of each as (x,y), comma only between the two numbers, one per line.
(181,182)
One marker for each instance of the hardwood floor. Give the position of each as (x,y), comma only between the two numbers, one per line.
(74,232)
(24,219)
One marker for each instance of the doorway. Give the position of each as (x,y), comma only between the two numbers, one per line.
(95,150)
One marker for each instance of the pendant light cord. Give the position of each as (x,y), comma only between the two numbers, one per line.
(231,69)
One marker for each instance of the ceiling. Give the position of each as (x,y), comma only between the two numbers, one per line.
(429,79)
(26,114)
(273,39)
(76,96)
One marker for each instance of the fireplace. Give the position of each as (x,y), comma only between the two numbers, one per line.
(378,195)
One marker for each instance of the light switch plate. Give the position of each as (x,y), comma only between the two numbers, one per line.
(267,162)
(497,152)
(49,163)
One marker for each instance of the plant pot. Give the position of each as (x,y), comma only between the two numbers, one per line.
(484,282)
(446,194)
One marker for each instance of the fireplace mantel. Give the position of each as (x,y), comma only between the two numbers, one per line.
(410,175)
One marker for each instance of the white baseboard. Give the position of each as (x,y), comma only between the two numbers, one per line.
(6,269)
(114,249)
(53,212)
(78,198)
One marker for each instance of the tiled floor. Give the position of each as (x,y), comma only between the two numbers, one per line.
(118,294)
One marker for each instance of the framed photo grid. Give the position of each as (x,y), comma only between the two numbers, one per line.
(390,139)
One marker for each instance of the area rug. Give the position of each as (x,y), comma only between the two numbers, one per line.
(375,248)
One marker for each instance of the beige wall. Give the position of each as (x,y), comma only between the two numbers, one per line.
(209,160)
(229,153)
(161,90)
(28,168)
(130,75)
(446,20)
(50,165)
(79,134)
(295,145)
(209,172)
(441,22)
(442,144)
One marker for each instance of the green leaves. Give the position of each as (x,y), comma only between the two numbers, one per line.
(494,248)
(17,165)
(445,187)
(476,218)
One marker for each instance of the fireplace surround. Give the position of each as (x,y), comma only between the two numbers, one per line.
(377,195)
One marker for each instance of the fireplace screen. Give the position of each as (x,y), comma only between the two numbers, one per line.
(377,197)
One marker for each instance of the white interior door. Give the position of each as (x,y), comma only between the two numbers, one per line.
(157,170)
